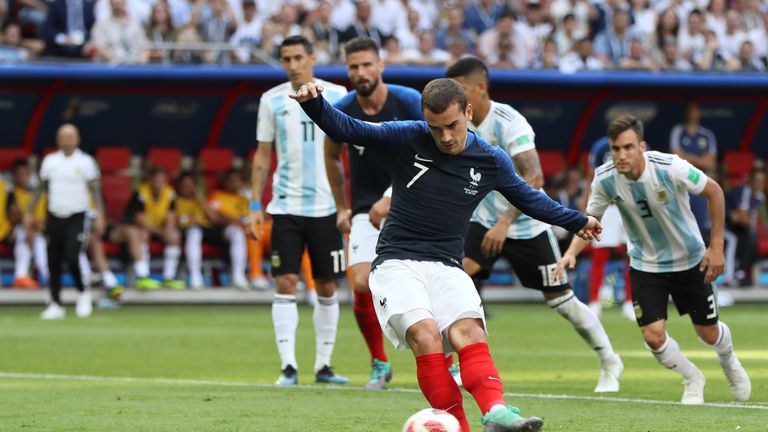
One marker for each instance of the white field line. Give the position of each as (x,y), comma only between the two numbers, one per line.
(191,382)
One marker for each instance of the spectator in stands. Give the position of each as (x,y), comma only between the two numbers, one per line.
(29,241)
(667,28)
(643,20)
(248,34)
(535,27)
(136,10)
(698,145)
(187,34)
(637,59)
(669,60)
(362,27)
(194,220)
(747,61)
(11,49)
(712,58)
(389,15)
(580,9)
(119,38)
(734,35)
(160,30)
(752,12)
(408,37)
(287,21)
(68,28)
(743,204)
(428,12)
(343,13)
(230,210)
(488,42)
(612,44)
(482,15)
(691,41)
(217,27)
(566,35)
(581,58)
(323,35)
(32,14)
(454,28)
(759,38)
(3,11)
(716,16)
(506,55)
(391,52)
(427,53)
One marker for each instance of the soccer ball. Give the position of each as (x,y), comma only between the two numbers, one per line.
(432,420)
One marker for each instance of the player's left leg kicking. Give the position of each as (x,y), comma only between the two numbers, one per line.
(534,261)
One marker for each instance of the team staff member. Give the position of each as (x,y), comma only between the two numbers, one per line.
(371,101)
(302,209)
(68,176)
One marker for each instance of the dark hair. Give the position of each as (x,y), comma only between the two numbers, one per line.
(20,163)
(154,171)
(361,44)
(297,40)
(185,174)
(441,93)
(696,12)
(624,123)
(467,66)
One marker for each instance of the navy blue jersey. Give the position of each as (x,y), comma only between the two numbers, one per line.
(434,194)
(369,169)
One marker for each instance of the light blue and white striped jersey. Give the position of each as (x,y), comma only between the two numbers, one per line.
(662,230)
(299,185)
(505,127)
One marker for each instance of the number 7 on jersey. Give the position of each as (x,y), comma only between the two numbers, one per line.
(422,170)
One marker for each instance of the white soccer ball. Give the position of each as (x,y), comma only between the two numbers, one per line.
(432,420)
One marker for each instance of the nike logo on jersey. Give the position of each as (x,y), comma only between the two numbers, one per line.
(360,149)
(419,158)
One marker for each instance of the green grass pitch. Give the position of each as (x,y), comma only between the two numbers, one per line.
(196,368)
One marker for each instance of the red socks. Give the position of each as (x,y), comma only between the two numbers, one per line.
(480,377)
(439,388)
(599,258)
(369,325)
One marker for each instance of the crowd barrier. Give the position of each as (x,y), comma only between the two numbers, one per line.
(196,107)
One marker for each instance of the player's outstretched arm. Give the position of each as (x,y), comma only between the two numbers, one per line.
(714,261)
(343,128)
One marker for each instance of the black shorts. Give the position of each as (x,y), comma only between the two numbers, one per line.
(533,260)
(692,296)
(291,234)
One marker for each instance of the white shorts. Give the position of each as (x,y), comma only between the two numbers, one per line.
(362,240)
(406,292)
(613,234)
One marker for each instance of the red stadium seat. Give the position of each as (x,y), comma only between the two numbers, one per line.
(168,159)
(114,160)
(762,239)
(117,192)
(48,150)
(215,160)
(9,155)
(736,167)
(552,163)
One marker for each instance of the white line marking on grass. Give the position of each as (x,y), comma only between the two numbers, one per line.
(180,381)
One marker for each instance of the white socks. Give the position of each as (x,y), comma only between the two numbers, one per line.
(22,255)
(108,279)
(285,318)
(141,267)
(238,252)
(586,323)
(40,253)
(193,251)
(724,345)
(85,269)
(670,357)
(171,261)
(326,320)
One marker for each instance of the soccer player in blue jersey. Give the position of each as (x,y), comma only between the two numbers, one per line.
(371,101)
(498,229)
(667,254)
(440,172)
(303,212)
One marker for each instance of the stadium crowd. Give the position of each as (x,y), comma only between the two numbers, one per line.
(569,35)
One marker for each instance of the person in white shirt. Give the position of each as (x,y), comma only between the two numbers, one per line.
(667,253)
(68,176)
(581,58)
(302,209)
(119,38)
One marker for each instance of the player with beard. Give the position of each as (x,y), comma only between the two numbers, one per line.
(371,101)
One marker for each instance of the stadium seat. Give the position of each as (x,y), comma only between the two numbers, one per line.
(9,155)
(762,239)
(114,160)
(118,190)
(736,167)
(168,159)
(552,163)
(215,160)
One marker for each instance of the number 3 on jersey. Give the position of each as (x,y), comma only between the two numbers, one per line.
(422,170)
